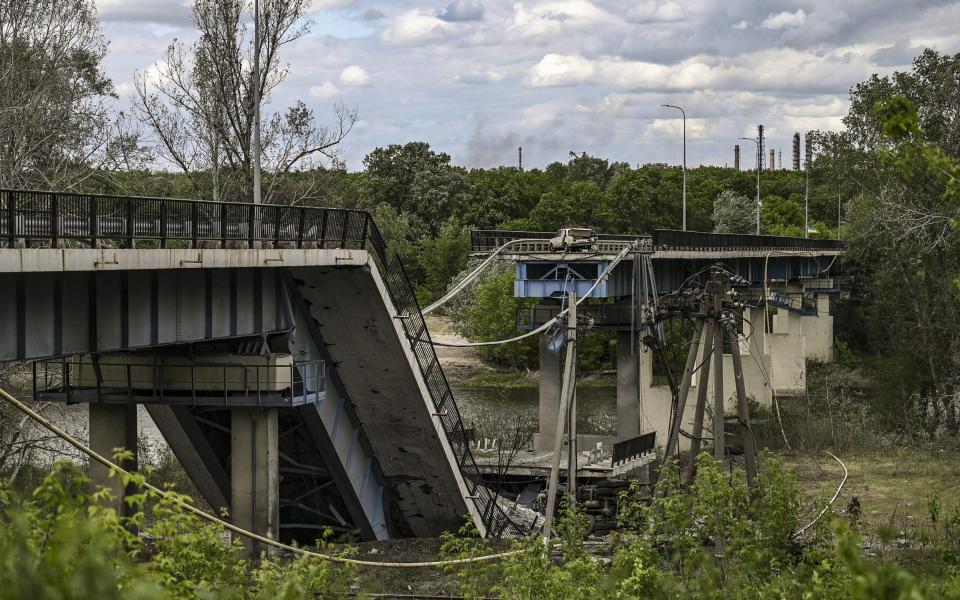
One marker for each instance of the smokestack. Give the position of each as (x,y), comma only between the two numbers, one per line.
(772,164)
(780,157)
(520,159)
(736,157)
(796,151)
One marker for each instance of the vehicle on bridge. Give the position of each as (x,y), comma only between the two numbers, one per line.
(574,238)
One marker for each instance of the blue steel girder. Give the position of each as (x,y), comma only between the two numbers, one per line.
(670,273)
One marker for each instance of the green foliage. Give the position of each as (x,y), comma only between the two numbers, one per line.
(444,256)
(492,316)
(734,213)
(62,542)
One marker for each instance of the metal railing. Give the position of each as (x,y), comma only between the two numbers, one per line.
(670,239)
(404,300)
(633,448)
(122,221)
(488,240)
(82,378)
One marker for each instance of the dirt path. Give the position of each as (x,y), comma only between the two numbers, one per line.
(458,363)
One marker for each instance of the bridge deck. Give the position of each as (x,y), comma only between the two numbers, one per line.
(389,417)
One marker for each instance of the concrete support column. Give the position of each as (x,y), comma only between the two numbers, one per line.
(818,331)
(255,474)
(551,379)
(628,384)
(113,426)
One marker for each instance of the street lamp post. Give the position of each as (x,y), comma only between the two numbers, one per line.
(682,112)
(757,142)
(256,104)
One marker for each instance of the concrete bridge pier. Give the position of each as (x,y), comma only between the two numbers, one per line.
(255,475)
(551,380)
(113,426)
(628,385)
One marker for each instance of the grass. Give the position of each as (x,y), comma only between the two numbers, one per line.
(893,489)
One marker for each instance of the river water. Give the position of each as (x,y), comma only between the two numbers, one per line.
(596,407)
(484,408)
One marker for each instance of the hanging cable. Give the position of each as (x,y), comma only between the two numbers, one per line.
(230,526)
(549,323)
(473,275)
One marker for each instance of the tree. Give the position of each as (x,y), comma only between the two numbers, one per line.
(734,213)
(56,127)
(414,179)
(200,105)
(903,234)
(444,256)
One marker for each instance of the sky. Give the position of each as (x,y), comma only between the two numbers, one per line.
(479,78)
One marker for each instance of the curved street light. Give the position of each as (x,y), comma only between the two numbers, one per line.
(682,112)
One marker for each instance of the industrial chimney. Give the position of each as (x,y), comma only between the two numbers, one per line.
(736,156)
(796,151)
(772,164)
(760,147)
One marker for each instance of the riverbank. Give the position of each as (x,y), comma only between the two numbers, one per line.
(528,380)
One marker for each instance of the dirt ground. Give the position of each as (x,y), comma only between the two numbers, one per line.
(458,363)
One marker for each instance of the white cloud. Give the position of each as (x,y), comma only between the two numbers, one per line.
(773,69)
(558,69)
(354,75)
(785,20)
(741,25)
(325,90)
(462,10)
(319,5)
(550,19)
(833,107)
(415,27)
(656,12)
(697,129)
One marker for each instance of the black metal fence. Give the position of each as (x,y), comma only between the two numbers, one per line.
(671,239)
(123,221)
(82,378)
(404,299)
(634,448)
(488,240)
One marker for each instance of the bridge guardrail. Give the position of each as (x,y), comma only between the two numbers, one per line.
(488,240)
(404,299)
(40,216)
(121,221)
(670,239)
(82,378)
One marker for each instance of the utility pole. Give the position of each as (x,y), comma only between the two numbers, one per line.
(682,112)
(566,396)
(806,205)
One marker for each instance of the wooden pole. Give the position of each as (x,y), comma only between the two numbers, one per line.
(572,440)
(565,396)
(743,409)
(704,381)
(673,444)
(718,441)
